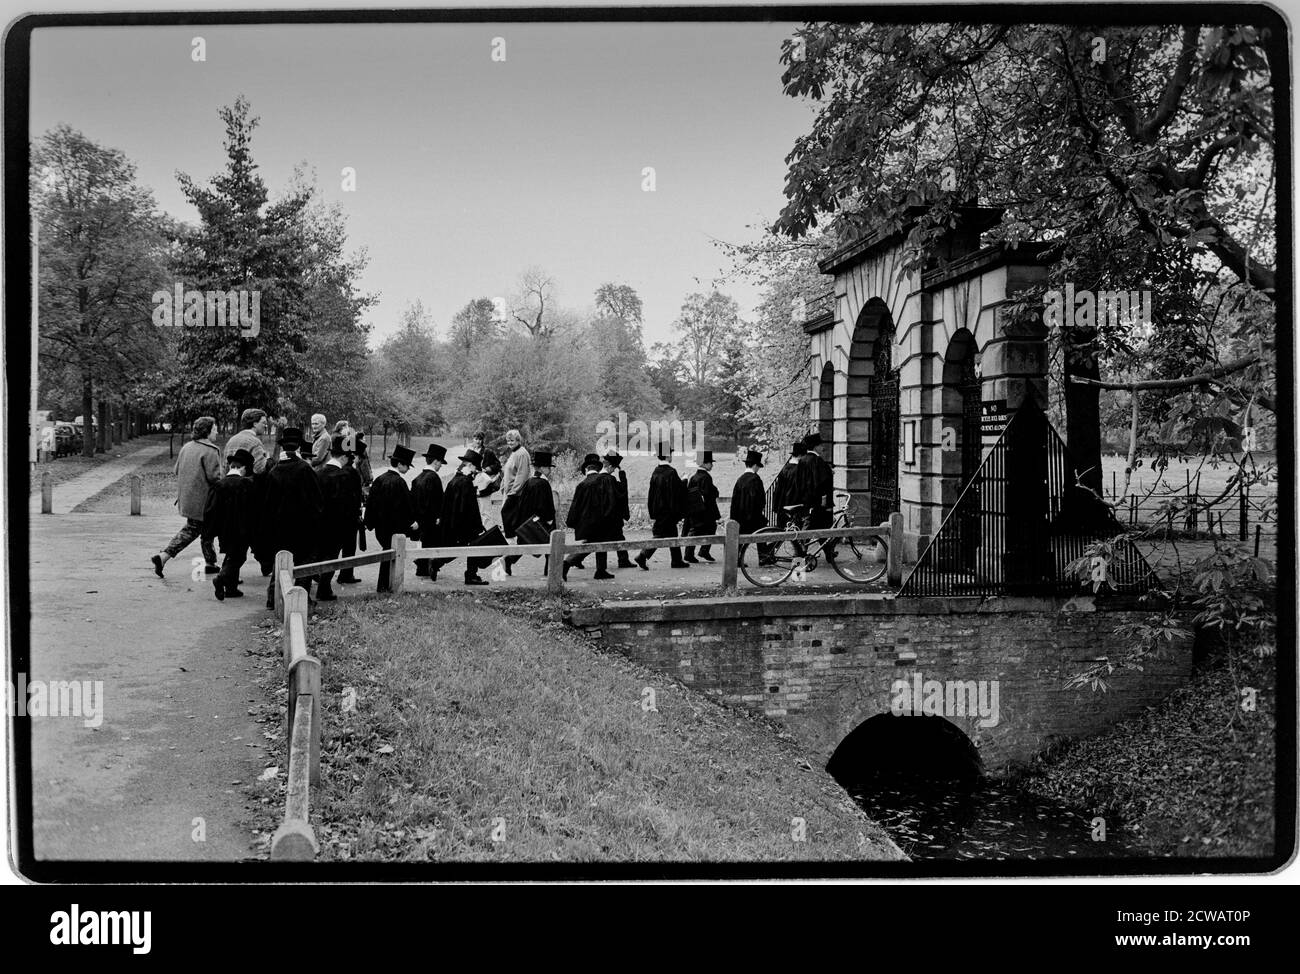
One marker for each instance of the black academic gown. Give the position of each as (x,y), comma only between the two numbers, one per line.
(814,483)
(594,511)
(292,508)
(426,499)
(461,521)
(230,515)
(785,491)
(703,515)
(666,498)
(748,502)
(341,489)
(389,512)
(537,500)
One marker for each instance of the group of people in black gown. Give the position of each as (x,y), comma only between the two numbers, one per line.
(321,511)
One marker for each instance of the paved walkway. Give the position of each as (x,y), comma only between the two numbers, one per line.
(174,742)
(76,490)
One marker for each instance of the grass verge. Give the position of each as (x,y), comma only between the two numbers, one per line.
(483,736)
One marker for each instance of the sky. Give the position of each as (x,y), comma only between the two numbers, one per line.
(468,170)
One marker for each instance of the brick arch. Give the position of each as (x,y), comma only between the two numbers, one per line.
(930,745)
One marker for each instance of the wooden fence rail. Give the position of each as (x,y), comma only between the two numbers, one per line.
(295,839)
(731,541)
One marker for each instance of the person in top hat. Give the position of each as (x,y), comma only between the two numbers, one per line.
(230,517)
(291,509)
(537,501)
(815,486)
(426,497)
(702,506)
(749,498)
(613,461)
(785,491)
(351,444)
(666,505)
(594,515)
(462,522)
(341,489)
(388,508)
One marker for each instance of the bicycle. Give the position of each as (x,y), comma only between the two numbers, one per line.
(858,560)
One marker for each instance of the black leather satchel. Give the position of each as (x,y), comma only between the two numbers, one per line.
(533,531)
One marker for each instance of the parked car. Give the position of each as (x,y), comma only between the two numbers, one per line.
(67,439)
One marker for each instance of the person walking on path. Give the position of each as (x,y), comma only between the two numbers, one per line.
(388,508)
(252,427)
(748,500)
(594,515)
(231,517)
(320,444)
(292,508)
(537,501)
(462,522)
(702,506)
(514,474)
(198,470)
(614,468)
(426,499)
(341,491)
(666,504)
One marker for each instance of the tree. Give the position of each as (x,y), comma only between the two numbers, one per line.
(244,243)
(705,323)
(101,258)
(1084,137)
(405,377)
(535,296)
(620,358)
(473,325)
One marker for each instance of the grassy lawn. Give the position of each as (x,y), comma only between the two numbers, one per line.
(1191,777)
(479,735)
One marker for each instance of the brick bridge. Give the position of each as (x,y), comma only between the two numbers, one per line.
(825,665)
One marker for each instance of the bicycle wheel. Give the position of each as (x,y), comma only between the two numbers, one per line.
(861,561)
(769,565)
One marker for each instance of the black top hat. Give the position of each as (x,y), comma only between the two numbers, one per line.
(812,439)
(435,452)
(590,460)
(706,456)
(614,458)
(243,458)
(291,437)
(542,458)
(472,456)
(338,445)
(664,451)
(403,455)
(799,449)
(753,457)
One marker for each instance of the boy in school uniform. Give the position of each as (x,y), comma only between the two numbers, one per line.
(593,515)
(426,498)
(537,501)
(230,517)
(702,503)
(388,508)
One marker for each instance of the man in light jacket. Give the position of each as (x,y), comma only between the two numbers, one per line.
(252,427)
(198,470)
(320,446)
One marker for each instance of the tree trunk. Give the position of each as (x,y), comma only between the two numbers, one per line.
(105,421)
(87,416)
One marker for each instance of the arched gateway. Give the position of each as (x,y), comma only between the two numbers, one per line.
(914,361)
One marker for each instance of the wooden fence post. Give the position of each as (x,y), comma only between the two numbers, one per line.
(47,494)
(295,601)
(730,553)
(397,567)
(283,562)
(894,562)
(555,570)
(307,680)
(135,494)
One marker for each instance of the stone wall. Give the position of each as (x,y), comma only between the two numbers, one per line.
(824,664)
